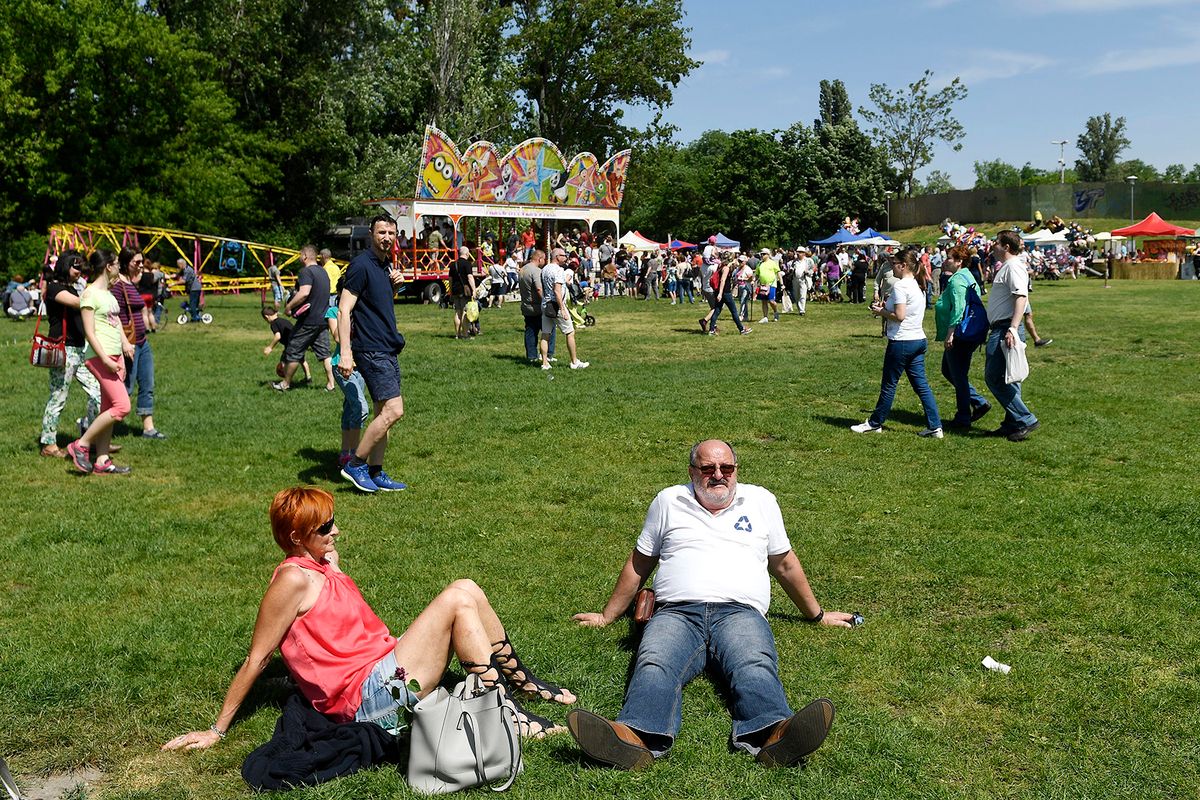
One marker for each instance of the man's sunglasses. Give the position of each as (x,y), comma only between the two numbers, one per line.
(711,469)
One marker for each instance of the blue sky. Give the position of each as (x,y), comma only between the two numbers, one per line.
(1035,70)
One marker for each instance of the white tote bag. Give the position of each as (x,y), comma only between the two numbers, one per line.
(462,739)
(1016,365)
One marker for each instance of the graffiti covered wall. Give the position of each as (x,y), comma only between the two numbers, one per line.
(1173,201)
(533,173)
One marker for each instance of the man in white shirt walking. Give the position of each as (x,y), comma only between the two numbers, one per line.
(1006,307)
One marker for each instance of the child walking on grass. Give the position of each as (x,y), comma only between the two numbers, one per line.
(281,331)
(354,396)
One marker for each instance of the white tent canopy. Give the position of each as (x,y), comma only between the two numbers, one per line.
(1044,237)
(635,241)
(878,241)
(1106,237)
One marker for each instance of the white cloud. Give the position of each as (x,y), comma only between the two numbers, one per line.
(992,65)
(1094,6)
(774,73)
(1157,56)
(713,57)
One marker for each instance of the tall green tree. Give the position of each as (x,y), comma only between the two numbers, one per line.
(1174,173)
(834,103)
(995,174)
(1100,145)
(579,61)
(936,182)
(1135,166)
(908,123)
(118,118)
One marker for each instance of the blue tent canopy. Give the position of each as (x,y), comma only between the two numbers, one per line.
(842,236)
(725,241)
(871,233)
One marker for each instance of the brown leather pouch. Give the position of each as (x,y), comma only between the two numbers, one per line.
(643,606)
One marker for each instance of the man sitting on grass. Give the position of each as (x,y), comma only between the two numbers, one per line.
(714,542)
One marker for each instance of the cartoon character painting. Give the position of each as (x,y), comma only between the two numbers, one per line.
(443,174)
(533,172)
(484,183)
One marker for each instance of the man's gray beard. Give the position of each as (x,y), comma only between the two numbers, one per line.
(708,498)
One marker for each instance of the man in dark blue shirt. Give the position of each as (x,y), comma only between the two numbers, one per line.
(368,340)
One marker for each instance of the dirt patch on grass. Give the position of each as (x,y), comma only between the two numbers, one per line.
(72,785)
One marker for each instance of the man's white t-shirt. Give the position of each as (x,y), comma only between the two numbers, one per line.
(714,558)
(1011,282)
(908,292)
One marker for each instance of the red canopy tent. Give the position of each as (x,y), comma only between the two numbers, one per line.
(1153,225)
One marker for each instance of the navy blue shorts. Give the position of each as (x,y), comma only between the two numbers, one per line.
(381,373)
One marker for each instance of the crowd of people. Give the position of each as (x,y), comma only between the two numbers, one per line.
(100,302)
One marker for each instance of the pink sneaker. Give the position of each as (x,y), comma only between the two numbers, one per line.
(81,457)
(344,459)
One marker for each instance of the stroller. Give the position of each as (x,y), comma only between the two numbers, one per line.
(577,305)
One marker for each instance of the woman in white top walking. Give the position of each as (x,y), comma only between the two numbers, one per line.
(903,312)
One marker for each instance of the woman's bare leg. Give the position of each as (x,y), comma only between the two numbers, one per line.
(461,621)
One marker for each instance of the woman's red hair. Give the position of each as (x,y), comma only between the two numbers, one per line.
(299,510)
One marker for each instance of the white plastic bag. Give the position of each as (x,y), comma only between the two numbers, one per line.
(1016,365)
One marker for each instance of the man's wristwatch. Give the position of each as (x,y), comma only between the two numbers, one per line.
(814,620)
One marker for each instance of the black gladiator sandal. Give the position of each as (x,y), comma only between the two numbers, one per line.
(531,725)
(520,677)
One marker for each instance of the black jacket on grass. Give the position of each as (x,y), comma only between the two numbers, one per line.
(307,749)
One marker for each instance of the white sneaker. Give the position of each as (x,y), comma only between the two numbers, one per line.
(763,321)
(866,427)
(553,360)
(547,366)
(936,433)
(580,365)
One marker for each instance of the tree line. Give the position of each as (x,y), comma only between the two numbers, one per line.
(1100,146)
(270,119)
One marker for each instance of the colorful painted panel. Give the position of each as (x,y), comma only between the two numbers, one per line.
(532,173)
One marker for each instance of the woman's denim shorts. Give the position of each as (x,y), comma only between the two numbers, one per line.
(378,705)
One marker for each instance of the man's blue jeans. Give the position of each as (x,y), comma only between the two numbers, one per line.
(956,368)
(1008,395)
(142,371)
(678,642)
(533,329)
(905,357)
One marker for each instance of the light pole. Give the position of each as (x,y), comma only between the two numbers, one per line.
(1062,160)
(1131,180)
(887,199)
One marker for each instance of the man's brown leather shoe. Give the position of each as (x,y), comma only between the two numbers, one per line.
(608,742)
(798,736)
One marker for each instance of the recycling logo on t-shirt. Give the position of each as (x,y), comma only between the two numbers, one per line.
(743,524)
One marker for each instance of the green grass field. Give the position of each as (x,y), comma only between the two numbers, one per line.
(127,603)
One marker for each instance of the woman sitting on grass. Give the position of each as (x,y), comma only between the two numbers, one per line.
(339,652)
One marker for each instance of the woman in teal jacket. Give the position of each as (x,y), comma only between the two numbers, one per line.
(956,358)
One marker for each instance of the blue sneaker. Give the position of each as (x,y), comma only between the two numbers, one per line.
(386,484)
(360,477)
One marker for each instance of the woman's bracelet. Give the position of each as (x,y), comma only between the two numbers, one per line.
(220,734)
(812,620)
